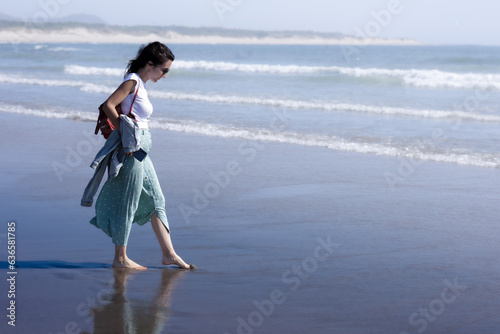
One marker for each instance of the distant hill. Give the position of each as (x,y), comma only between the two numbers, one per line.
(82,18)
(6,17)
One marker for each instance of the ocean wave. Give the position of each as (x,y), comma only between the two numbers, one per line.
(327,106)
(86,70)
(56,48)
(268,102)
(437,79)
(413,77)
(330,142)
(48,113)
(63,49)
(249,68)
(208,66)
(374,146)
(307,105)
(40,82)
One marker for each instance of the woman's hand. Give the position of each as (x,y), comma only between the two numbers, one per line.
(116,122)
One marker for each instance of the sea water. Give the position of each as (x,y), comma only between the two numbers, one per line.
(420,103)
(396,248)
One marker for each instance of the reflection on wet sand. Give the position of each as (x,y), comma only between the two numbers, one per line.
(122,315)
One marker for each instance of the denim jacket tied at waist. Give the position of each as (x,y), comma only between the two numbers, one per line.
(112,155)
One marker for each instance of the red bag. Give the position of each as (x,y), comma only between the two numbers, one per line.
(104,123)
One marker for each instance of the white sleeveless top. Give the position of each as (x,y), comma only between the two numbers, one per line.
(142,108)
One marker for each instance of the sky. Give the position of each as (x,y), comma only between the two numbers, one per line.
(427,21)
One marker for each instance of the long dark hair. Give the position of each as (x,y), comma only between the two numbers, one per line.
(156,52)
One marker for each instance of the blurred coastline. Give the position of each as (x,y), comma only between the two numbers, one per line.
(26,32)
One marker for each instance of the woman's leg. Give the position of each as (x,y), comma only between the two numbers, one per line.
(167,248)
(122,261)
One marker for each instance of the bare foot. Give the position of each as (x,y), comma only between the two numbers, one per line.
(128,264)
(177,260)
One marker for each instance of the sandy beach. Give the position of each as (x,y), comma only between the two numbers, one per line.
(288,239)
(84,35)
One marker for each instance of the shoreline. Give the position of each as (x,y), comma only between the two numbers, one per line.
(83,35)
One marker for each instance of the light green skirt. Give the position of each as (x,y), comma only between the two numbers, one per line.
(133,196)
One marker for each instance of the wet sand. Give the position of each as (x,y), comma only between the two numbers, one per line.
(287,239)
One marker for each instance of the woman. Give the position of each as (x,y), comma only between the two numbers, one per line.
(134,195)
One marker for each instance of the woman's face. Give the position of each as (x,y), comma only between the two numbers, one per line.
(159,71)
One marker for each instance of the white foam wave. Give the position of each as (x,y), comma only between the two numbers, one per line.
(249,68)
(267,102)
(40,82)
(99,89)
(421,78)
(86,70)
(48,113)
(328,106)
(412,77)
(436,79)
(84,86)
(333,143)
(306,105)
(266,135)
(63,49)
(210,66)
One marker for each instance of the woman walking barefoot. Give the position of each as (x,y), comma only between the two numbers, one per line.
(135,195)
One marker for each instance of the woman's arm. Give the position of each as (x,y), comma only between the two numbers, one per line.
(126,88)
